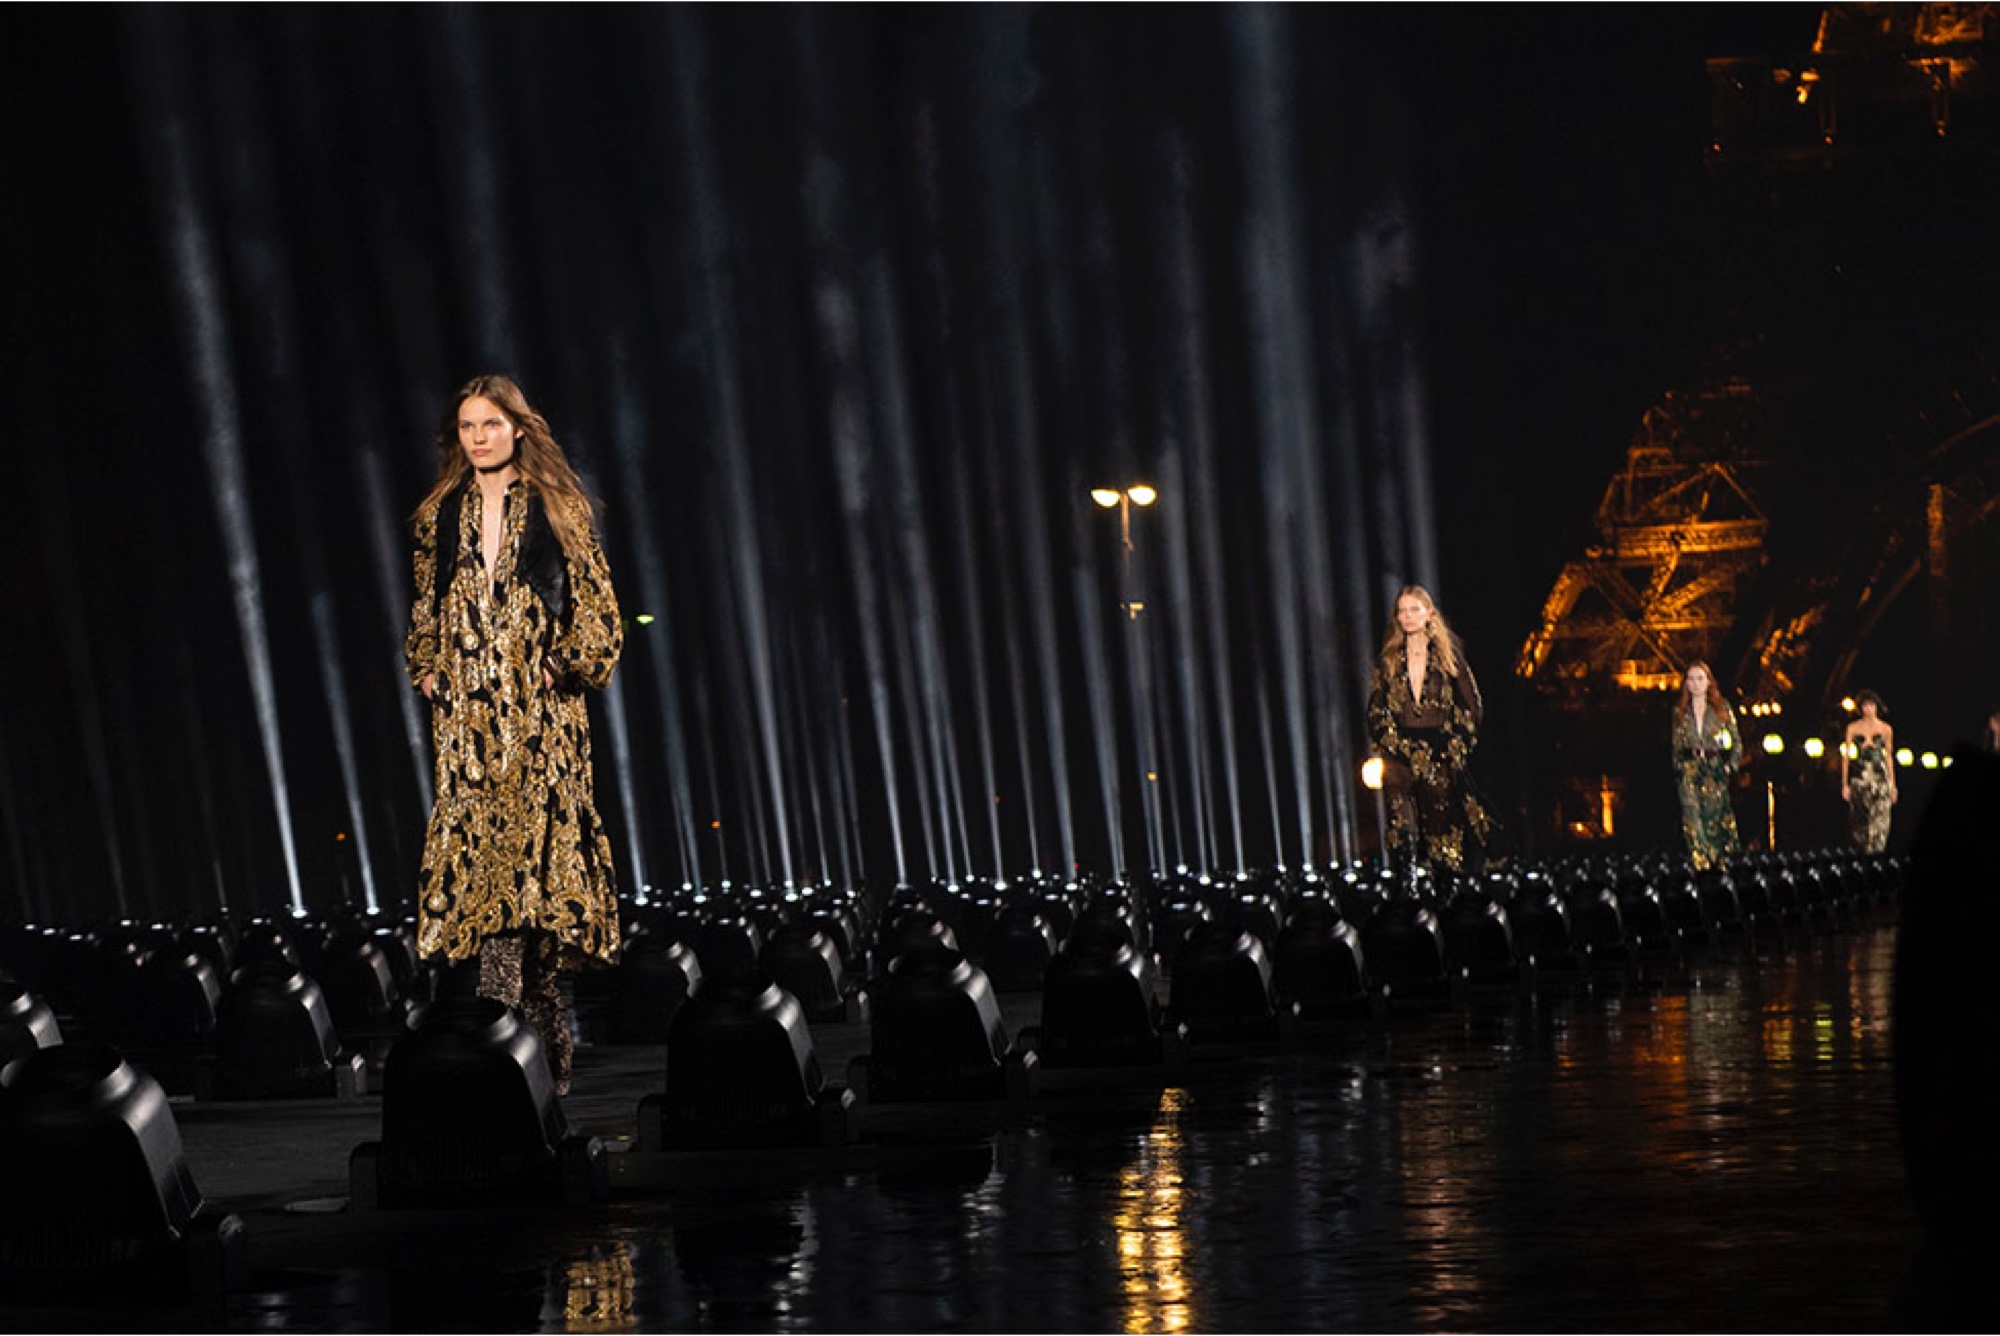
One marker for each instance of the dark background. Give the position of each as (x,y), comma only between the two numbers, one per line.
(639,211)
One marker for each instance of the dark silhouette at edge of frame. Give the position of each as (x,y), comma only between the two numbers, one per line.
(1947,1065)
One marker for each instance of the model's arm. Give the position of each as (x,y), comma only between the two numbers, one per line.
(1846,745)
(1889,757)
(1381,719)
(1468,692)
(420,647)
(588,644)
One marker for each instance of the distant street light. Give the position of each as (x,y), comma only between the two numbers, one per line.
(1124,498)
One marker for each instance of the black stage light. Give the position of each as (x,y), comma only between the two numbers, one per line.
(94,1189)
(1405,948)
(741,1072)
(1221,989)
(729,943)
(359,981)
(470,1117)
(935,1033)
(1597,922)
(1019,947)
(804,961)
(1478,937)
(1541,922)
(26,1022)
(655,975)
(1316,963)
(275,1039)
(1100,997)
(1721,910)
(169,1005)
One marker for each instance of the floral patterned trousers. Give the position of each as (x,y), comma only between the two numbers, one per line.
(520,970)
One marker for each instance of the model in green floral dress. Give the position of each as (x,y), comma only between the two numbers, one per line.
(1707,751)
(1868,776)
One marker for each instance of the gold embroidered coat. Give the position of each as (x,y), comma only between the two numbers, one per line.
(514,840)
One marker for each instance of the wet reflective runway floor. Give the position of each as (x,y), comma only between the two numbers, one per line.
(1712,1148)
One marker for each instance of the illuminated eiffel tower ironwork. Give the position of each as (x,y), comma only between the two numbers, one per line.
(1680,538)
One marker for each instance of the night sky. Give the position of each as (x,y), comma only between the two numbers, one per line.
(840,310)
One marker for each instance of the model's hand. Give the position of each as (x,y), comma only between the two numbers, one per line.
(1843,793)
(429,685)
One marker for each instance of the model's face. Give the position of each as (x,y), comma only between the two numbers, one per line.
(1412,614)
(1698,683)
(1868,709)
(488,436)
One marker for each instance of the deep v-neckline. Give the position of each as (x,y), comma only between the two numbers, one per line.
(490,562)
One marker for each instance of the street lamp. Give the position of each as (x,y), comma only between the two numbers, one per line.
(1123,499)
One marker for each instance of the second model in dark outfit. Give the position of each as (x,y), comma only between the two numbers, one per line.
(1423,719)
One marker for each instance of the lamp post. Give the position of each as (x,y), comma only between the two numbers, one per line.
(1123,499)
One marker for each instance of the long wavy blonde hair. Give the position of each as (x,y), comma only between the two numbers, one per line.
(1444,641)
(539,458)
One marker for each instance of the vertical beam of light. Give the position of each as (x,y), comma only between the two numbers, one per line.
(932,280)
(1059,327)
(887,359)
(974,612)
(620,727)
(717,305)
(708,752)
(1388,268)
(808,765)
(1272,269)
(1139,663)
(1185,655)
(928,816)
(81,677)
(731,648)
(850,807)
(1350,520)
(478,199)
(1097,691)
(32,890)
(389,562)
(852,469)
(1271,770)
(1185,660)
(824,195)
(259,262)
(631,433)
(162,95)
(197,743)
(327,642)
(1174,848)
(1199,483)
(1017,682)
